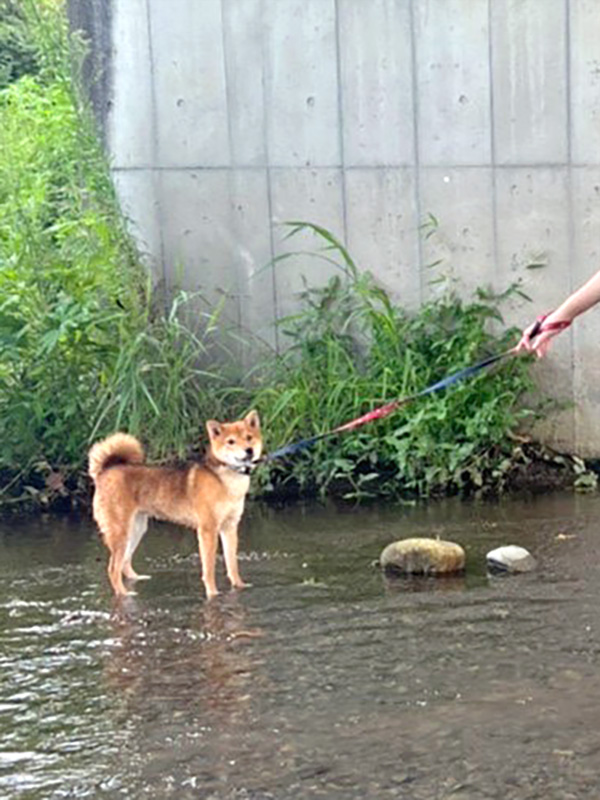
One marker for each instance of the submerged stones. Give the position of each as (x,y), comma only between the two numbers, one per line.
(510,558)
(420,556)
(423,556)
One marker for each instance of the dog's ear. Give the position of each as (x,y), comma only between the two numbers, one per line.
(252,420)
(214,429)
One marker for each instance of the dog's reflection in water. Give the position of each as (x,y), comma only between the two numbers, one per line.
(206,666)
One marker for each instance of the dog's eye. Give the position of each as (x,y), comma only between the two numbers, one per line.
(230,441)
(248,438)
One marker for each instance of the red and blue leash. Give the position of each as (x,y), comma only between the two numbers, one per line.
(383,411)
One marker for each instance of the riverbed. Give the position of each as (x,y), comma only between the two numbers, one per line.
(324,679)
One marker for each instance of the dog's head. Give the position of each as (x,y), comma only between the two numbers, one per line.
(237,444)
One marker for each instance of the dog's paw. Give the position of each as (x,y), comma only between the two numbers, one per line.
(133,576)
(241,585)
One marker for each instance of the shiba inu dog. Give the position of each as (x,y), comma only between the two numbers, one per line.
(208,496)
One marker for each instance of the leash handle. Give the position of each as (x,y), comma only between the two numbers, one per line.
(541,326)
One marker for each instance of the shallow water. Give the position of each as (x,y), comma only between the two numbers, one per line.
(323,680)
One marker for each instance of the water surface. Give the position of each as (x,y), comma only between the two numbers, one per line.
(325,679)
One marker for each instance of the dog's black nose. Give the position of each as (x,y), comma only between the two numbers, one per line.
(249,452)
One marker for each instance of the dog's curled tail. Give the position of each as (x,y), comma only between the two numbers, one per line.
(120,448)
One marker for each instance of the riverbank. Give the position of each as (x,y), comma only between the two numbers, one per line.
(531,469)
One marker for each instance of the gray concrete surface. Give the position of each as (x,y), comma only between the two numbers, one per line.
(225,118)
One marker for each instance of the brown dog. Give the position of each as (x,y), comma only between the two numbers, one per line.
(208,497)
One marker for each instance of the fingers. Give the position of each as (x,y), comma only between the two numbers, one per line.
(539,345)
(526,342)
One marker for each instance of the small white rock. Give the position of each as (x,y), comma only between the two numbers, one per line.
(510,558)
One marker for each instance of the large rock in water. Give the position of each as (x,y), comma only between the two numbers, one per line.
(510,558)
(423,557)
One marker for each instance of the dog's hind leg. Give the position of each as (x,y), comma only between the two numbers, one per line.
(115,567)
(137,529)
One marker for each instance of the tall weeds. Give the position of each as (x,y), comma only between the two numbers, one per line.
(17,53)
(83,347)
(351,349)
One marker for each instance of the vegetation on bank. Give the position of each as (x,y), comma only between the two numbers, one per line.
(353,349)
(86,348)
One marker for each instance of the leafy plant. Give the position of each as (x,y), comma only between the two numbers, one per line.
(17,52)
(84,348)
(69,275)
(161,385)
(351,349)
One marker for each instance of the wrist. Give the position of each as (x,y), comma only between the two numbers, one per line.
(564,313)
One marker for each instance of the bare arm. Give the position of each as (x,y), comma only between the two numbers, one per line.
(585,297)
(577,303)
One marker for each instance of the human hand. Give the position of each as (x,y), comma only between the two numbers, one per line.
(536,337)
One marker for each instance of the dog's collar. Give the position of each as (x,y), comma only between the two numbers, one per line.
(242,469)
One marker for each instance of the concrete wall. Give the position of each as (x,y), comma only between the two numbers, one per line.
(228,116)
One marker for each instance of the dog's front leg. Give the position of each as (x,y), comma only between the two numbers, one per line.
(207,545)
(229,542)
